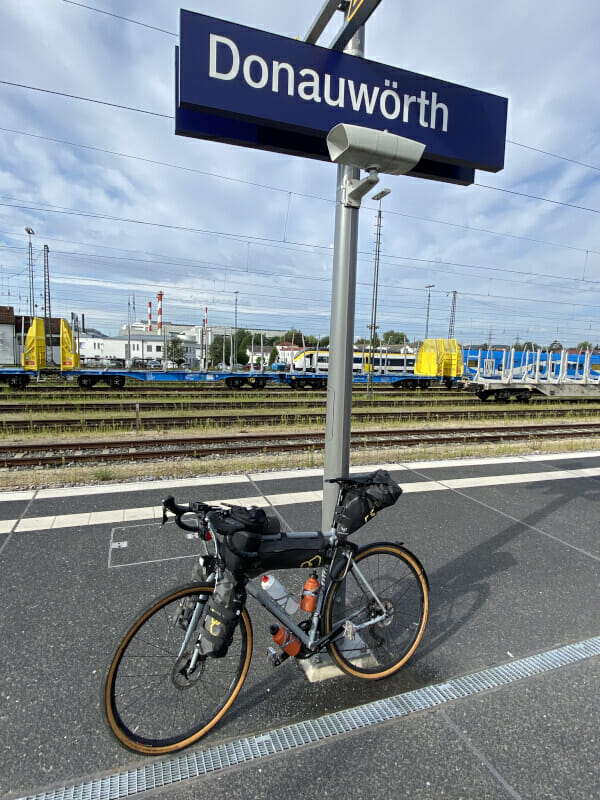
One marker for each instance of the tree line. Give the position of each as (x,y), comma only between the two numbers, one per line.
(220,349)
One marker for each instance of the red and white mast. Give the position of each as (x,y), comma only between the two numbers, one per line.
(159,297)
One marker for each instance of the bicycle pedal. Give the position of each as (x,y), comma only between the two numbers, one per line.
(349,630)
(274,658)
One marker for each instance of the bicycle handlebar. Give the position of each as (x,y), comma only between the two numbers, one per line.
(198,509)
(203,513)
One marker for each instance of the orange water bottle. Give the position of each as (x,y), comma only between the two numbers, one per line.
(286,640)
(310,593)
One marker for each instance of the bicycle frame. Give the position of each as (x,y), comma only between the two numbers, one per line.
(309,640)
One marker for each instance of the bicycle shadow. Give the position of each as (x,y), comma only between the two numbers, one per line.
(461,588)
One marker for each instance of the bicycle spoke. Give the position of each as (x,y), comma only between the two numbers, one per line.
(152,706)
(152,644)
(384,581)
(145,694)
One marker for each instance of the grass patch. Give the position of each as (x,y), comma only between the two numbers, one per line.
(104,474)
(37,478)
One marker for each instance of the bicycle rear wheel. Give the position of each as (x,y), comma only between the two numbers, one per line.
(150,703)
(384,580)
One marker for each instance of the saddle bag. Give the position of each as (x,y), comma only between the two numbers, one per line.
(360,503)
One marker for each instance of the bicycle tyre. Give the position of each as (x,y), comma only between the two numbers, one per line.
(398,578)
(133,710)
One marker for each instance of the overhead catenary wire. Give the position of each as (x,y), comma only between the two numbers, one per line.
(101,285)
(118,16)
(170,116)
(184,168)
(85,99)
(387,258)
(501,271)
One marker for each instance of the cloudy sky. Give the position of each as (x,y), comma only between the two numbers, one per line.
(127,208)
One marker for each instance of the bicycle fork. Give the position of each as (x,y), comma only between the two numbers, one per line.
(200,603)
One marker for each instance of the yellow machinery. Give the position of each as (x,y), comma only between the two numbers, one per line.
(69,357)
(34,353)
(440,357)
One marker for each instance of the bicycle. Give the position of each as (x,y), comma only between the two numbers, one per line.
(160,695)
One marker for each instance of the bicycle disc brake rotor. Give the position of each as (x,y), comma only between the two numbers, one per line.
(180,677)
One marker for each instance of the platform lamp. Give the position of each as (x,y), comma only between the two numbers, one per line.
(30,232)
(429,287)
(373,326)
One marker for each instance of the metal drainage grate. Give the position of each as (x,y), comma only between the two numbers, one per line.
(213,759)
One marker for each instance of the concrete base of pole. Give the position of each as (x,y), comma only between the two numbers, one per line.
(320,667)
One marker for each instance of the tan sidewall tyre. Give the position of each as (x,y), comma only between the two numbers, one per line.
(107,706)
(419,572)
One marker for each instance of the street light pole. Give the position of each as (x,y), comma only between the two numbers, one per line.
(336,462)
(429,287)
(30,232)
(373,326)
(234,360)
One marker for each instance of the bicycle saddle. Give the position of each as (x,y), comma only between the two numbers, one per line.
(362,479)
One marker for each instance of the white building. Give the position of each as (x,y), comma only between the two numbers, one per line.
(95,346)
(7,336)
(13,332)
(195,339)
(286,351)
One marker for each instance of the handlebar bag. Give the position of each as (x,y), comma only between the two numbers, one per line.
(362,501)
(239,518)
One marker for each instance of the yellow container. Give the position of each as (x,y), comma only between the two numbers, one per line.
(69,357)
(34,354)
(440,357)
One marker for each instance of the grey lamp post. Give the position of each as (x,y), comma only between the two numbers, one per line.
(429,287)
(30,232)
(373,326)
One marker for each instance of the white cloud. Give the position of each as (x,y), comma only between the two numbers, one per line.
(274,246)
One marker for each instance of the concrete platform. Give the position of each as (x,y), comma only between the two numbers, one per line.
(512,550)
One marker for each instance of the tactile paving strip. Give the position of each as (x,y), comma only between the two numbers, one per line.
(212,759)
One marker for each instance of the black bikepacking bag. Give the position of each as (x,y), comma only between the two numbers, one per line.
(253,553)
(374,491)
(239,518)
(225,606)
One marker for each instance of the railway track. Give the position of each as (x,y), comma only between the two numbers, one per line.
(251,402)
(188,394)
(210,404)
(18,456)
(252,418)
(143,387)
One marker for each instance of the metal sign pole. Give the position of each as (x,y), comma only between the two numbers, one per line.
(341,339)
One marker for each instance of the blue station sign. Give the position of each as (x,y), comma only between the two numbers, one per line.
(245,86)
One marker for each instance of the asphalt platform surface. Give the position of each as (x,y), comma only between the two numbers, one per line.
(512,550)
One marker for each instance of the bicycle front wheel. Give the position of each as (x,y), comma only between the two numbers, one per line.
(380,609)
(153,702)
